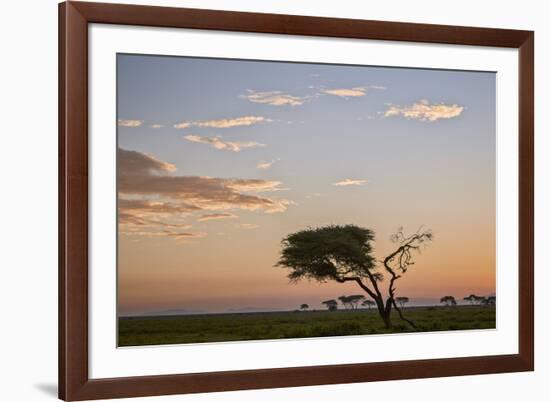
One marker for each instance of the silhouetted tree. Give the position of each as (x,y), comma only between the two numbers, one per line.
(402,301)
(344,254)
(473,299)
(368,303)
(350,301)
(304,306)
(448,301)
(345,301)
(489,301)
(332,305)
(354,300)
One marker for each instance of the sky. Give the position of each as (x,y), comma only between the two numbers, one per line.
(218,160)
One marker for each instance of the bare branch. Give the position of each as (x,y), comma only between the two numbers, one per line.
(400,260)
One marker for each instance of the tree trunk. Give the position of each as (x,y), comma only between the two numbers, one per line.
(385,313)
(386,316)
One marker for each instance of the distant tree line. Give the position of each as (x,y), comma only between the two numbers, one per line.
(481,300)
(353,302)
(450,301)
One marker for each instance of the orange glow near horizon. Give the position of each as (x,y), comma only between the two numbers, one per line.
(236,271)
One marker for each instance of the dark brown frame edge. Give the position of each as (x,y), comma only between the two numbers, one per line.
(74,383)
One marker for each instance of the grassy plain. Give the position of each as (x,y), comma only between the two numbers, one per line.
(137,331)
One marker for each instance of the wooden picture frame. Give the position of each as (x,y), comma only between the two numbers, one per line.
(74,381)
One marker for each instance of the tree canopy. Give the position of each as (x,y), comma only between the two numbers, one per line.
(352,300)
(489,301)
(448,300)
(473,299)
(331,304)
(402,300)
(328,253)
(368,303)
(356,299)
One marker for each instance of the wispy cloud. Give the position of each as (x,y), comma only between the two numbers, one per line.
(351,92)
(217,143)
(350,182)
(224,123)
(185,235)
(152,218)
(166,233)
(144,207)
(157,125)
(274,98)
(346,92)
(137,220)
(254,185)
(424,111)
(130,123)
(266,164)
(281,98)
(138,163)
(248,226)
(217,216)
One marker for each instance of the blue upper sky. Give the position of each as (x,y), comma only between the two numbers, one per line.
(168,90)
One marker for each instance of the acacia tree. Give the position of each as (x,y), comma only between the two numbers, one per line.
(352,301)
(345,300)
(304,306)
(448,301)
(332,305)
(481,300)
(402,301)
(489,301)
(344,254)
(368,303)
(473,299)
(355,300)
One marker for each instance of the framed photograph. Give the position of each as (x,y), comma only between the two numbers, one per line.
(259,200)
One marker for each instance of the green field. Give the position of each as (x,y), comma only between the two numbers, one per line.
(283,325)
